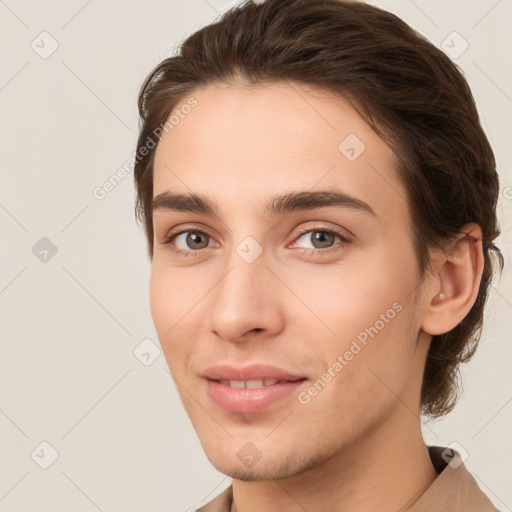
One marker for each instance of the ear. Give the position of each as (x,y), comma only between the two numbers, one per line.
(456,283)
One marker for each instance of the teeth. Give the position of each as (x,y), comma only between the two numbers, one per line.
(252,384)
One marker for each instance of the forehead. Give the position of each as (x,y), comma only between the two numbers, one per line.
(241,144)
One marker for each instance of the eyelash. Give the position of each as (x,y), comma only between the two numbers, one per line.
(310,252)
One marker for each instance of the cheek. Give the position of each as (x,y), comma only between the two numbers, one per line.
(160,300)
(166,303)
(365,313)
(171,295)
(367,377)
(174,297)
(351,299)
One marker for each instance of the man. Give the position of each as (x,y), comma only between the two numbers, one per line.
(320,212)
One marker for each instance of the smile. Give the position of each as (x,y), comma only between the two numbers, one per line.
(252,384)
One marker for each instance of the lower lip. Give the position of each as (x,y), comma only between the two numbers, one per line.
(249,400)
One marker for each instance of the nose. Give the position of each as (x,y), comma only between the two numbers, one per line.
(246,299)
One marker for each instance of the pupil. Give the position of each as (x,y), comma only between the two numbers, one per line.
(196,238)
(320,236)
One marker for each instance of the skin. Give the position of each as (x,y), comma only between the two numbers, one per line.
(357,445)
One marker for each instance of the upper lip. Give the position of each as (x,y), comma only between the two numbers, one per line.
(251,372)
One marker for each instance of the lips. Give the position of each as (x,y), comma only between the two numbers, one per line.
(248,373)
(250,389)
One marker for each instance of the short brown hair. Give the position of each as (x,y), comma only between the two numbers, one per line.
(407,90)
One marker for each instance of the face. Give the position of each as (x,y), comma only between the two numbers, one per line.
(315,291)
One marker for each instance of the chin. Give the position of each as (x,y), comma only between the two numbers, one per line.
(274,467)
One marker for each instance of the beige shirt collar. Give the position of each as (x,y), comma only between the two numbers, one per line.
(455,489)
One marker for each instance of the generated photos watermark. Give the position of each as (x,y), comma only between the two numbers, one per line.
(101,191)
(305,397)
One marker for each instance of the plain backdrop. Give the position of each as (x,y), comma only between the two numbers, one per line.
(90,418)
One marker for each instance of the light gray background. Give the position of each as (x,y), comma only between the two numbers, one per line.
(69,325)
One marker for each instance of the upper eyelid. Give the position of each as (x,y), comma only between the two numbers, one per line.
(195,228)
(336,232)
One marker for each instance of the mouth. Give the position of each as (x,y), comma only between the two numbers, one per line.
(252,384)
(251,396)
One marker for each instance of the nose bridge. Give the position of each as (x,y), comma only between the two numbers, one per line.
(244,298)
(247,271)
(246,262)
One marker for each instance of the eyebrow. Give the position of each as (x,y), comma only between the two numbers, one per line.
(277,205)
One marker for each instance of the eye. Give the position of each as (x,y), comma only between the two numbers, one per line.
(188,242)
(322,240)
(194,240)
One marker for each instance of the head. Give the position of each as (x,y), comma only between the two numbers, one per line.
(248,132)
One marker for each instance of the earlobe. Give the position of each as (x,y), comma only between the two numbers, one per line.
(457,282)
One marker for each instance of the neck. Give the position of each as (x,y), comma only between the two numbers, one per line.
(387,470)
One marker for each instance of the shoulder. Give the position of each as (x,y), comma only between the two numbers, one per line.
(455,488)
